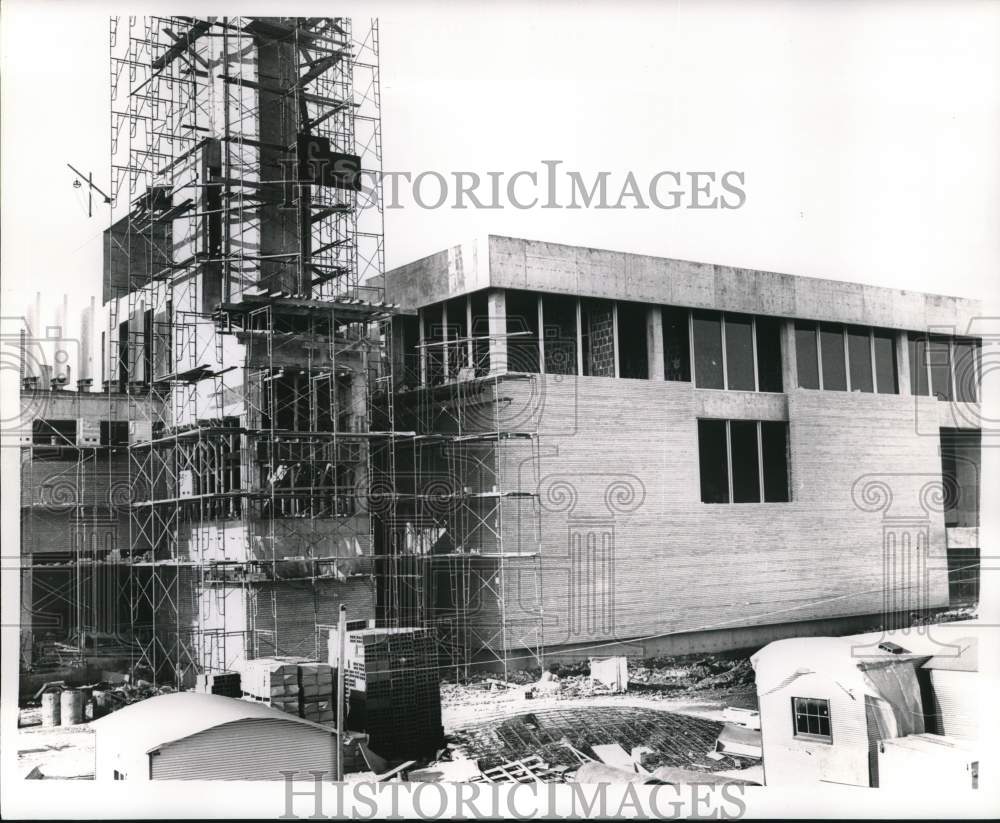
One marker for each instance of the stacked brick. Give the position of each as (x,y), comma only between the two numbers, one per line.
(317,692)
(391,678)
(272,680)
(226,684)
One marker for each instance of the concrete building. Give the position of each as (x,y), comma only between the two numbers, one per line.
(193,736)
(872,709)
(663,455)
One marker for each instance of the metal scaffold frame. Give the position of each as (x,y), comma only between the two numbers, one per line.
(243,309)
(470,467)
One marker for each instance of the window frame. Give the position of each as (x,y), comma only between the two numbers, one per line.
(925,337)
(761,491)
(812,736)
(725,355)
(846,356)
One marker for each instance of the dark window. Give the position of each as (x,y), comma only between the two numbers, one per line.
(917,346)
(774,451)
(859,352)
(806,355)
(559,319)
(53,432)
(885,362)
(769,354)
(676,344)
(939,357)
(811,718)
(831,344)
(123,355)
(481,332)
(433,344)
(745,462)
(739,352)
(409,358)
(147,346)
(713,463)
(114,432)
(708,350)
(738,461)
(522,331)
(458,342)
(966,370)
(960,469)
(633,359)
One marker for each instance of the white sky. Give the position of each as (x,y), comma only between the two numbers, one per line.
(868,133)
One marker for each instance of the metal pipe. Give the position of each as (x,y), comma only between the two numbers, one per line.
(341,659)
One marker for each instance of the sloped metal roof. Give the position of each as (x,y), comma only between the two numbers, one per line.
(154,722)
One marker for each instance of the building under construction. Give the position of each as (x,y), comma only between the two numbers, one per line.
(236,481)
(523,447)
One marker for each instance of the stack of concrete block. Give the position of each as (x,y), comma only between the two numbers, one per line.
(272,680)
(317,692)
(224,683)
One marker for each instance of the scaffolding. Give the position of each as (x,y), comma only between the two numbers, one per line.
(246,226)
(468,508)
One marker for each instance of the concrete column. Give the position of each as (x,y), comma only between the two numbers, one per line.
(789,364)
(614,337)
(541,337)
(654,342)
(470,351)
(903,361)
(422,351)
(579,338)
(444,340)
(496,307)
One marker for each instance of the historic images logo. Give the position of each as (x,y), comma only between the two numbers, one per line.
(588,563)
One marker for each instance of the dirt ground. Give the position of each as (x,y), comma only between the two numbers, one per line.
(702,687)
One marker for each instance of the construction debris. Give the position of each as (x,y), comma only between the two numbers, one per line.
(528,770)
(737,740)
(610,672)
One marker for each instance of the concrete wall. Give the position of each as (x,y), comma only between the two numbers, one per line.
(553,267)
(629,549)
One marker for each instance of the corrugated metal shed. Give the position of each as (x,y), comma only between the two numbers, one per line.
(190,735)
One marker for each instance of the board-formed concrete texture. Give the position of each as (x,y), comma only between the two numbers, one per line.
(630,555)
(514,263)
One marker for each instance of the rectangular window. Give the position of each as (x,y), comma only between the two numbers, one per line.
(434,331)
(917,350)
(739,352)
(859,353)
(633,358)
(831,346)
(939,358)
(522,331)
(53,432)
(739,457)
(712,461)
(811,718)
(774,451)
(559,320)
(708,350)
(966,370)
(114,432)
(769,354)
(886,380)
(807,355)
(745,461)
(676,344)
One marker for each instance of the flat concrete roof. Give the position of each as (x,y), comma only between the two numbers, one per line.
(517,263)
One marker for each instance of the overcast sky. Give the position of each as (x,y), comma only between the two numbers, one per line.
(867,133)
